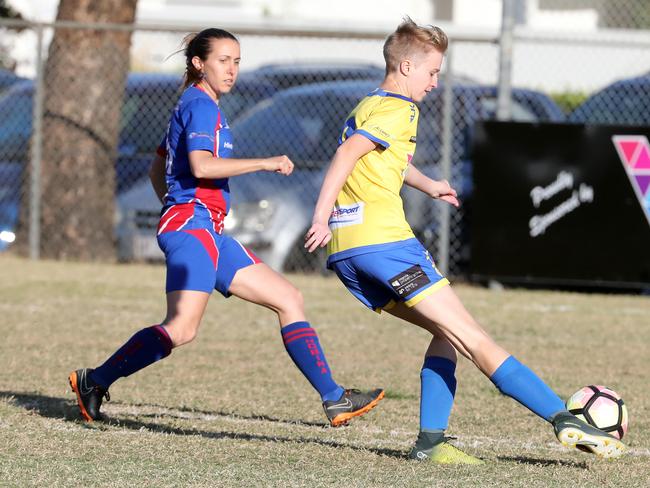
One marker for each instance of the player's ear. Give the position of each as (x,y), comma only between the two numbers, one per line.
(197,63)
(405,67)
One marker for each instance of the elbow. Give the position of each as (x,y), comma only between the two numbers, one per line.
(197,171)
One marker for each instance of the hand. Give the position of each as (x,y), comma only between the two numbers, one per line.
(279,164)
(442,190)
(318,235)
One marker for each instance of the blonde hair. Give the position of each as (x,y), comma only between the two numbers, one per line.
(410,39)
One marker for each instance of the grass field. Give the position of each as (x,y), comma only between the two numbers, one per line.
(231,410)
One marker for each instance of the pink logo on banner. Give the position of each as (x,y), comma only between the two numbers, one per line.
(634,152)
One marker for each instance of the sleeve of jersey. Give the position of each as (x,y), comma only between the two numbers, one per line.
(386,123)
(201,121)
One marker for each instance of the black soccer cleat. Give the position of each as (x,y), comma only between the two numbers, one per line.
(351,404)
(571,431)
(89,394)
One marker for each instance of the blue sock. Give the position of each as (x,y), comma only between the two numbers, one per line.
(301,342)
(517,381)
(438,387)
(145,347)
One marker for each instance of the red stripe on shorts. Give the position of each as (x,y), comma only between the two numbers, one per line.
(207,240)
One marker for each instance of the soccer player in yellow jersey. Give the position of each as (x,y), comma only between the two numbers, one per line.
(375,254)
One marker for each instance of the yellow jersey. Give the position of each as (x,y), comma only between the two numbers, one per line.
(369,212)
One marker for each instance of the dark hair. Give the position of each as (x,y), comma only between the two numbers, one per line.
(199,45)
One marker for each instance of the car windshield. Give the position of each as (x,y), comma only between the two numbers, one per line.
(468,106)
(233,104)
(243,97)
(289,76)
(145,115)
(519,112)
(316,121)
(310,137)
(626,104)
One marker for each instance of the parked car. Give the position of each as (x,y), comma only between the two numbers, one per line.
(625,102)
(149,100)
(270,213)
(8,78)
(288,75)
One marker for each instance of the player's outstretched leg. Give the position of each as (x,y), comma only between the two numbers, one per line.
(89,394)
(352,403)
(261,285)
(573,432)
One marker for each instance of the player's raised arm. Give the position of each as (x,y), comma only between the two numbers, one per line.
(440,190)
(342,164)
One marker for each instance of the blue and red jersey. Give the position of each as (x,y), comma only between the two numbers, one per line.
(197,123)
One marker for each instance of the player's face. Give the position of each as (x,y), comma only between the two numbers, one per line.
(424,76)
(222,66)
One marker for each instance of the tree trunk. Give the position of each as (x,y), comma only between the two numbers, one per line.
(85,76)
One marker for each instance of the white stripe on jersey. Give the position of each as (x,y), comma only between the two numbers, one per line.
(162,227)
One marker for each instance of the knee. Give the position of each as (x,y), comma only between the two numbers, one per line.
(478,342)
(182,331)
(293,300)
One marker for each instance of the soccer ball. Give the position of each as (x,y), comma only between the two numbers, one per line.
(601,407)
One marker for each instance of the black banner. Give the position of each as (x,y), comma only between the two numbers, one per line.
(561,204)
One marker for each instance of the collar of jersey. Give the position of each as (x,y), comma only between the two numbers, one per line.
(201,89)
(383,93)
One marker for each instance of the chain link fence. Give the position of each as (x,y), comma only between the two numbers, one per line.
(90,198)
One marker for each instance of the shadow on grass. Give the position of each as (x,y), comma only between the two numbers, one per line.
(60,408)
(544,462)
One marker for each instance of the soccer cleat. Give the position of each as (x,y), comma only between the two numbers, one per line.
(89,394)
(573,432)
(351,404)
(436,448)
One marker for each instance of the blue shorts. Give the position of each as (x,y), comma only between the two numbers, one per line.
(402,273)
(202,260)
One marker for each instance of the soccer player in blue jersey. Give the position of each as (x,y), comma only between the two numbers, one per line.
(374,252)
(190,175)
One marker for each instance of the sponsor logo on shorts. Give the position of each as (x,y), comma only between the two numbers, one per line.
(345,215)
(409,281)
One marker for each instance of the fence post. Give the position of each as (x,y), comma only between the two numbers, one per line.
(445,163)
(504,105)
(36,152)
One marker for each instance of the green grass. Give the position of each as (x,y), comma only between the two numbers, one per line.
(231,410)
